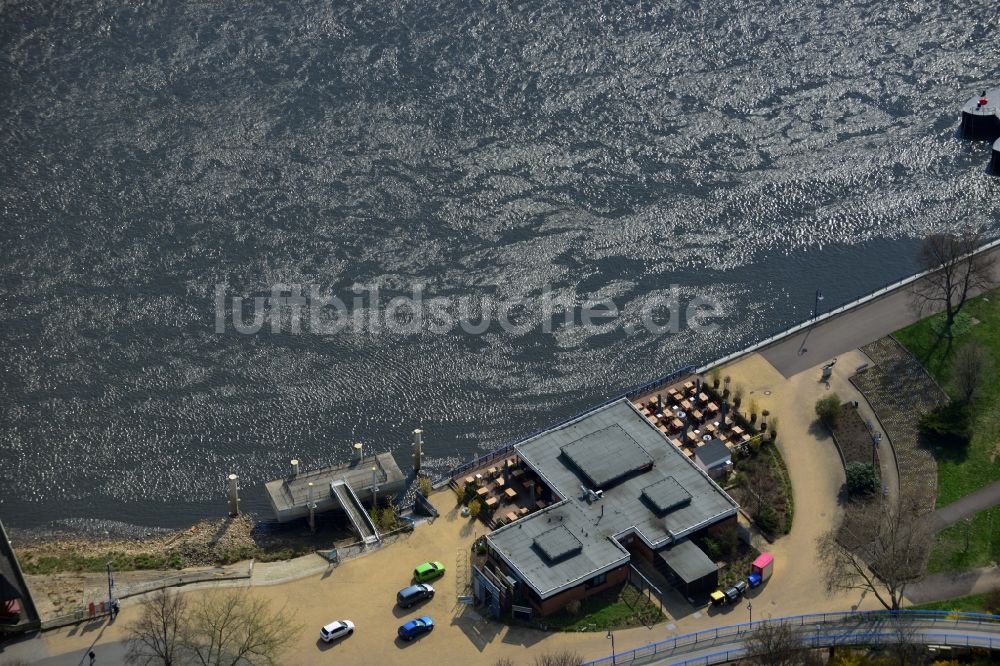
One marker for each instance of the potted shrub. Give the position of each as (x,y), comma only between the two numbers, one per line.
(725,390)
(737,397)
(716,375)
(763,420)
(753,411)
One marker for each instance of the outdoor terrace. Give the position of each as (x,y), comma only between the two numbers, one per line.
(690,417)
(507,490)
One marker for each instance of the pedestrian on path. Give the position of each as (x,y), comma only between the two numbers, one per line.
(93,657)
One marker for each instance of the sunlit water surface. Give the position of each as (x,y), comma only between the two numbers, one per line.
(748,152)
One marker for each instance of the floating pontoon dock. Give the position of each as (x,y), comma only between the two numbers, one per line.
(342,487)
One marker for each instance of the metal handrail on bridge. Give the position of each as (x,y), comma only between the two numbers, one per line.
(671,645)
(950,639)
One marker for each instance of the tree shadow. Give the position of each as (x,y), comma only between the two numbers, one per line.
(843,496)
(468,527)
(818,430)
(953,450)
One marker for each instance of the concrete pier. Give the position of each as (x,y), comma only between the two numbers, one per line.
(290,497)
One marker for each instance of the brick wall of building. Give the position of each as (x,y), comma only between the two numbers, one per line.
(578,593)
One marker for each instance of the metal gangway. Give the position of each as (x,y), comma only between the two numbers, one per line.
(355,511)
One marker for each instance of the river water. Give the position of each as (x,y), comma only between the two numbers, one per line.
(161,158)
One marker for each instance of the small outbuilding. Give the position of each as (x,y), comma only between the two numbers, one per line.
(689,569)
(714,457)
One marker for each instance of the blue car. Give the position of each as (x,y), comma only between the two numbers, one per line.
(416,628)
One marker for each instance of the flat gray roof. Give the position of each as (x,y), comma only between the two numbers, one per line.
(581,552)
(666,494)
(558,543)
(662,504)
(623,507)
(688,561)
(713,453)
(607,456)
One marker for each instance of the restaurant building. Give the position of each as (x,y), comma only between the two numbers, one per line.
(617,489)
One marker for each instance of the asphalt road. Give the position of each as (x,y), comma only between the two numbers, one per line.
(852,329)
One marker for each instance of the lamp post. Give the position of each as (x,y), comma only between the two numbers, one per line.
(750,608)
(819,297)
(611,635)
(111,595)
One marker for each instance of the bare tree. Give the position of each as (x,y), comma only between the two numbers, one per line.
(905,649)
(955,273)
(154,639)
(877,551)
(235,627)
(972,362)
(776,644)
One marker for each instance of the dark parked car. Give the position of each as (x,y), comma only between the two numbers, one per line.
(416,628)
(414,594)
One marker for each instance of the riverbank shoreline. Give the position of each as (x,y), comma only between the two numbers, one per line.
(213,542)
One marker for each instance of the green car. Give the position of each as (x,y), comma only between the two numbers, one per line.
(428,571)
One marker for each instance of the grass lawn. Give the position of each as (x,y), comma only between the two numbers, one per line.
(964,471)
(617,608)
(49,564)
(977,603)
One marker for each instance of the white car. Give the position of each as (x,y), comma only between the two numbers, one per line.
(335,630)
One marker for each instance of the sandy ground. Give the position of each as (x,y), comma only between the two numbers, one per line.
(814,466)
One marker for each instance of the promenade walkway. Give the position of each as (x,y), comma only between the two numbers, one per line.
(982,499)
(852,329)
(953,584)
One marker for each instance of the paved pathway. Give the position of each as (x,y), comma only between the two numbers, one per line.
(984,498)
(840,334)
(814,466)
(954,584)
